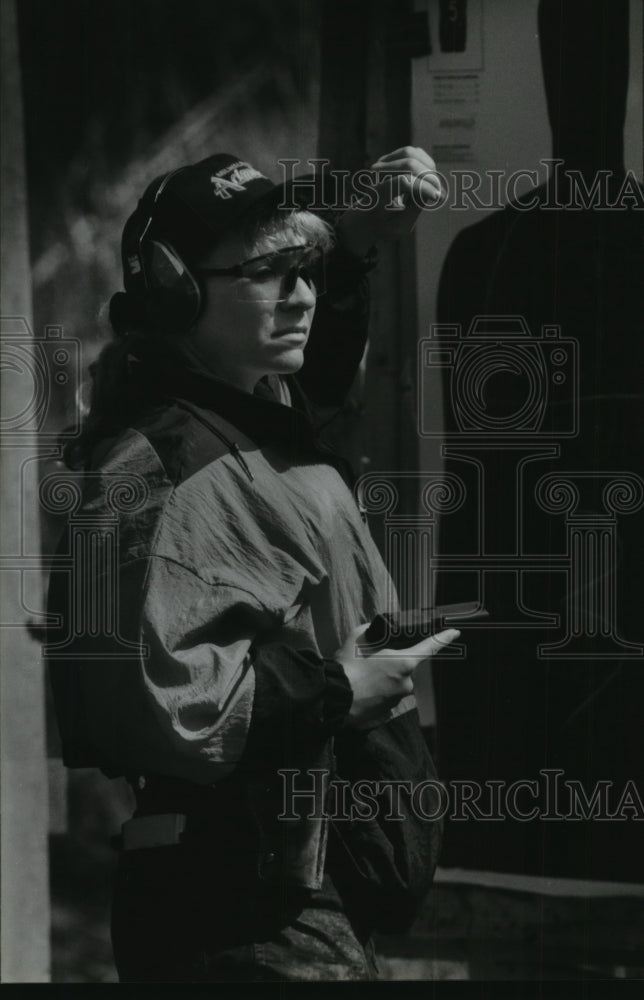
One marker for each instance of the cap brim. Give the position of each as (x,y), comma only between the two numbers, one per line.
(307,192)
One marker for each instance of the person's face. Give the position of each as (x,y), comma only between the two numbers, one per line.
(240,336)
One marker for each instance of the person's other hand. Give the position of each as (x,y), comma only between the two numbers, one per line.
(407,183)
(383,679)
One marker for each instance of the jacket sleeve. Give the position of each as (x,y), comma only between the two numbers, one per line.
(208,687)
(384,857)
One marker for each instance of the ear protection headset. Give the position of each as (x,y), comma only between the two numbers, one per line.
(170,294)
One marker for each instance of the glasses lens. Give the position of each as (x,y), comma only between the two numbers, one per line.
(273,277)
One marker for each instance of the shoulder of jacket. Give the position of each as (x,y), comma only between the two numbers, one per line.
(186,438)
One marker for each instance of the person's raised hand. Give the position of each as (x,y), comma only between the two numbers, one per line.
(406,182)
(381,680)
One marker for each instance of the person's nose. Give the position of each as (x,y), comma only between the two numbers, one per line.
(303,295)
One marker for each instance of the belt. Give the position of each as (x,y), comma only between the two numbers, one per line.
(163,830)
(168,810)
(231,829)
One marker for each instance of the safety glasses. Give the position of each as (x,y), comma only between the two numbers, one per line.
(272,277)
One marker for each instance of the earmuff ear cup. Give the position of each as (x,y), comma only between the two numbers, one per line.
(173,297)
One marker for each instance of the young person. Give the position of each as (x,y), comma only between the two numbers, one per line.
(225,679)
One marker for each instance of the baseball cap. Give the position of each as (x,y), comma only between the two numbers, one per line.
(191,208)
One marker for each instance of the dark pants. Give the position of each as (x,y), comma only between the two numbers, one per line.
(177,916)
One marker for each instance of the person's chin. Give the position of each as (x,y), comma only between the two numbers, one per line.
(290,360)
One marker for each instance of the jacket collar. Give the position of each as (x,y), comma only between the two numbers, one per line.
(260,415)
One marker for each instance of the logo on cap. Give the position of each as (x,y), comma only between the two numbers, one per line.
(233,178)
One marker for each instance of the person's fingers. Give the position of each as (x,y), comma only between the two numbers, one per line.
(427,184)
(409,181)
(400,152)
(406,153)
(428,647)
(416,193)
(406,164)
(404,168)
(351,645)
